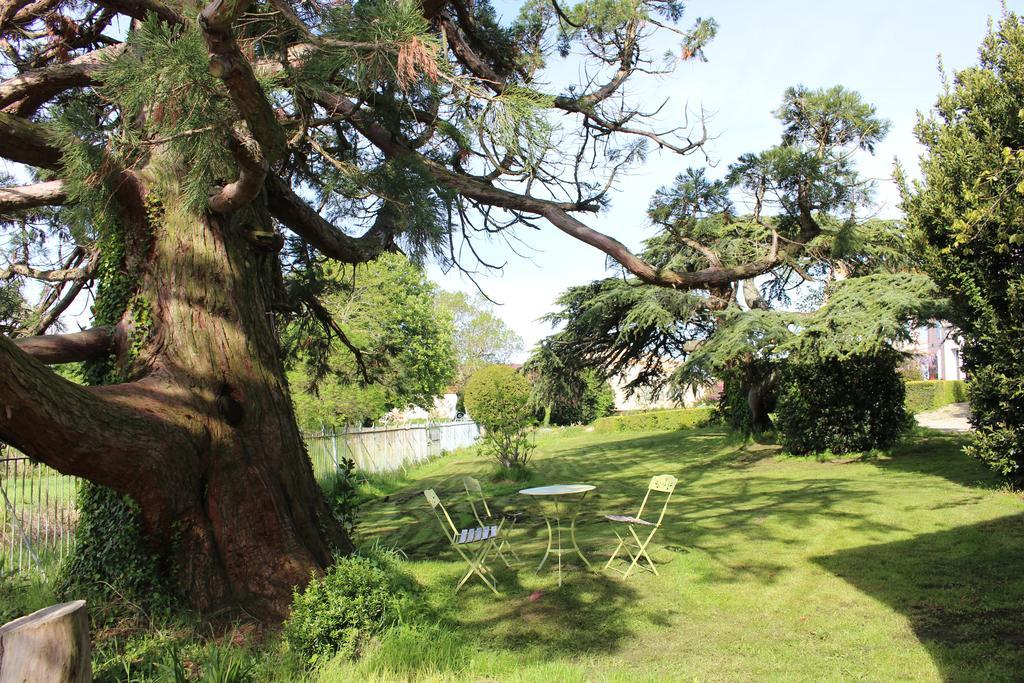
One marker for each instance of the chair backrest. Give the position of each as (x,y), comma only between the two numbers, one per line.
(435,505)
(475,494)
(662,483)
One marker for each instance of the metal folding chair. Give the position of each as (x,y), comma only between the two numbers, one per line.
(478,502)
(464,541)
(664,483)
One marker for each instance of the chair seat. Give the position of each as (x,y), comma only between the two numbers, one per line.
(476,534)
(626,519)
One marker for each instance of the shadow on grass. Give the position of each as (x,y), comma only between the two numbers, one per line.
(939,454)
(586,615)
(712,500)
(962,590)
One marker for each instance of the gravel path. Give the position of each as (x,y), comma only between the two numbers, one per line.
(952,418)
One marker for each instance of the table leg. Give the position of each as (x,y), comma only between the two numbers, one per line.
(550,536)
(558,524)
(572,534)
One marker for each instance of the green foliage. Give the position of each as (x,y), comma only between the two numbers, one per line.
(925,395)
(23,594)
(356,599)
(516,122)
(481,337)
(13,308)
(832,117)
(565,395)
(498,398)
(655,420)
(970,208)
(341,491)
(110,566)
(389,310)
(841,405)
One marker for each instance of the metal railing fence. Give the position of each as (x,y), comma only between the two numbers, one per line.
(38,514)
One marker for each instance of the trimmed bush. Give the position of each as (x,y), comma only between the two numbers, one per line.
(655,420)
(355,600)
(498,398)
(842,406)
(925,395)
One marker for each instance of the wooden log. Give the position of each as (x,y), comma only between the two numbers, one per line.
(49,645)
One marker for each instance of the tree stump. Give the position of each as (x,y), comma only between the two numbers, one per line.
(49,645)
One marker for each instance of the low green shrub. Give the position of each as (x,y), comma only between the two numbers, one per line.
(925,395)
(357,598)
(655,420)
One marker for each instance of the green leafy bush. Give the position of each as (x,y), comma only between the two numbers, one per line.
(498,398)
(596,399)
(842,406)
(655,420)
(341,491)
(968,208)
(925,395)
(356,599)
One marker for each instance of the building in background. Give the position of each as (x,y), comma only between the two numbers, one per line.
(646,399)
(936,351)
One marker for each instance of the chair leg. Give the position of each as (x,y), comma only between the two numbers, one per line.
(641,552)
(506,545)
(476,566)
(617,549)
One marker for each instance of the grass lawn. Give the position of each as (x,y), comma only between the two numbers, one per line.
(901,567)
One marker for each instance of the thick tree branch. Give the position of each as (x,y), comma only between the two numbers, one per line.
(138,9)
(26,142)
(229,64)
(303,220)
(251,174)
(54,349)
(557,213)
(50,193)
(58,275)
(48,81)
(83,431)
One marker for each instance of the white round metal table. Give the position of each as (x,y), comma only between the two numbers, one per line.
(570,495)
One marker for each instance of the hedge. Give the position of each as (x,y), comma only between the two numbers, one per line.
(654,421)
(931,394)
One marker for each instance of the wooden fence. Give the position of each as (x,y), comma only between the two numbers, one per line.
(386,449)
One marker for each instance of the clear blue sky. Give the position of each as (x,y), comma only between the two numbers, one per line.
(886,49)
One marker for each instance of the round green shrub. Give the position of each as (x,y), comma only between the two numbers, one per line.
(842,406)
(356,599)
(498,398)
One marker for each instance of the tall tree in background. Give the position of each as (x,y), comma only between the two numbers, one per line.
(393,347)
(970,206)
(192,163)
(481,337)
(806,203)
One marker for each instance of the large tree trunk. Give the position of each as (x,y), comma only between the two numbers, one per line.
(201,434)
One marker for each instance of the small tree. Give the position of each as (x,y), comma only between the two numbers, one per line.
(498,398)
(564,393)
